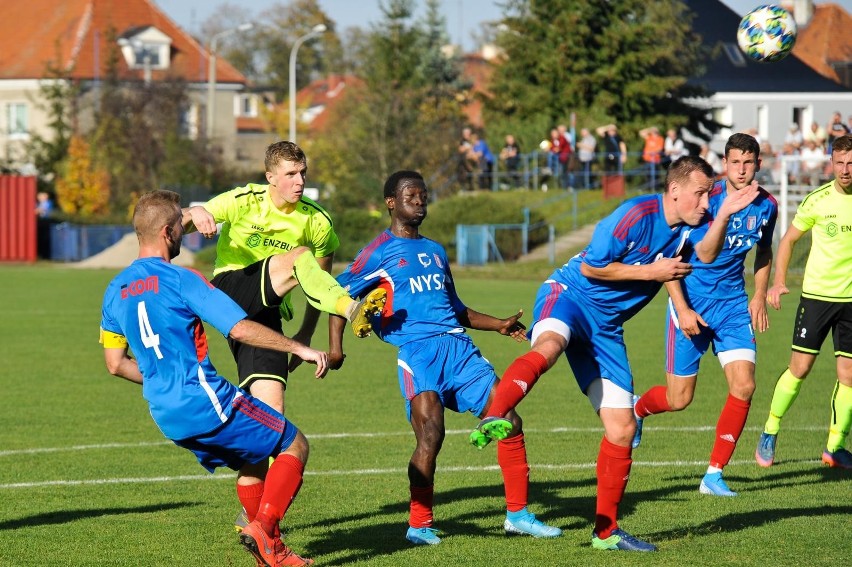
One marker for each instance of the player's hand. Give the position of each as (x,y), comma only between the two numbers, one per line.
(295,360)
(335,360)
(203,221)
(759,315)
(773,296)
(314,356)
(690,323)
(512,327)
(668,269)
(738,200)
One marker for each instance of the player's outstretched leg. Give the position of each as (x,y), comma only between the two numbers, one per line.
(765,452)
(637,437)
(490,429)
(620,540)
(360,313)
(423,536)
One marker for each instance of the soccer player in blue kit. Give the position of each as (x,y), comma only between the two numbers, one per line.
(581,309)
(438,364)
(155,309)
(711,307)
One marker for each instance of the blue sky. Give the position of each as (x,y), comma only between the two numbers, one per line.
(463,16)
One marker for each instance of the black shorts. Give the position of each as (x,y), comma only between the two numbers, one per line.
(815,318)
(251,288)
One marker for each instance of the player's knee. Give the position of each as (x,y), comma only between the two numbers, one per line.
(679,401)
(299,448)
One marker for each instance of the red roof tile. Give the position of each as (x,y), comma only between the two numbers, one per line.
(825,39)
(73,33)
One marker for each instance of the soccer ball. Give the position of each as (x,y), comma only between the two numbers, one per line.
(545,145)
(767,33)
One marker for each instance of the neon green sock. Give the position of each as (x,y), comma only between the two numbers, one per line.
(786,390)
(321,289)
(841,417)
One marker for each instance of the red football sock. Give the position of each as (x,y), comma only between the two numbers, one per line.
(250,496)
(512,458)
(613,470)
(283,482)
(728,430)
(653,401)
(517,382)
(420,507)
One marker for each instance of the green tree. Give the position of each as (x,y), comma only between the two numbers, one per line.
(58,96)
(407,114)
(627,61)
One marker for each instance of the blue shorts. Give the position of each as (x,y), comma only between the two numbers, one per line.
(450,365)
(595,348)
(253,432)
(729,329)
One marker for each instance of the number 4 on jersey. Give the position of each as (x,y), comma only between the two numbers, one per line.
(149,338)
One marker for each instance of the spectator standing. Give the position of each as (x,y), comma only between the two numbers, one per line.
(794,136)
(614,148)
(510,155)
(834,130)
(652,154)
(673,148)
(586,154)
(813,160)
(467,164)
(712,158)
(816,134)
(484,159)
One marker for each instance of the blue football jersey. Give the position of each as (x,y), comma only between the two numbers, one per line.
(753,226)
(158,307)
(422,300)
(635,233)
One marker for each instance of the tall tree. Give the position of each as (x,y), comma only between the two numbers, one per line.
(406,115)
(626,61)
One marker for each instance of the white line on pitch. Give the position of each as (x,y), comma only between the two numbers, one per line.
(99,446)
(400,470)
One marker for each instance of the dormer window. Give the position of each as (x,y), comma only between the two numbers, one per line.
(146,48)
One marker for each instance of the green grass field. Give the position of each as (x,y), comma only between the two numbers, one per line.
(87,479)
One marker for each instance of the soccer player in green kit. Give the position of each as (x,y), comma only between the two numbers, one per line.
(273,238)
(825,305)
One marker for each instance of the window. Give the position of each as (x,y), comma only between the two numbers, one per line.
(16,119)
(735,56)
(246,105)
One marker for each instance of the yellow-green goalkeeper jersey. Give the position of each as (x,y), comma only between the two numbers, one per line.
(253,228)
(827,213)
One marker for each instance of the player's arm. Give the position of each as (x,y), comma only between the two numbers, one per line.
(311,317)
(663,270)
(117,359)
(785,252)
(510,326)
(261,336)
(200,219)
(757,305)
(708,249)
(688,319)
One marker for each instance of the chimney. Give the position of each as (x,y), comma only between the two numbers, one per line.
(802,10)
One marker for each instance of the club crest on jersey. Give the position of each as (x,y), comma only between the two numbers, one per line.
(751,222)
(402,263)
(253,241)
(438,261)
(425,260)
(736,223)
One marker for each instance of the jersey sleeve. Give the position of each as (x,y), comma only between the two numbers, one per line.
(456,302)
(605,248)
(209,303)
(359,277)
(769,229)
(805,219)
(324,240)
(224,206)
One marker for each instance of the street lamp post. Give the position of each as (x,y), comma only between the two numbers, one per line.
(316,30)
(211,73)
